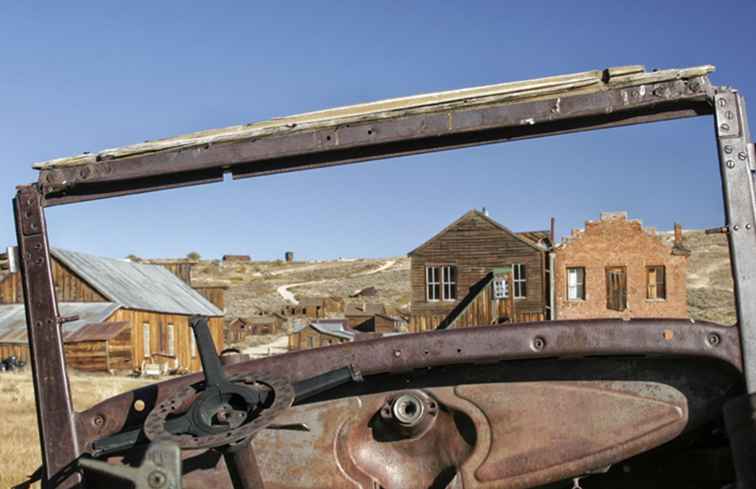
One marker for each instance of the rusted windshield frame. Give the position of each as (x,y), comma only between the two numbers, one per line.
(60,427)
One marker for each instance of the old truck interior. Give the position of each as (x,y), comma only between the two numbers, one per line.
(597,403)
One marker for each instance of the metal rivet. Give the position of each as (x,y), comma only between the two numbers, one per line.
(748,226)
(713,339)
(538,343)
(728,149)
(742,156)
(730,164)
(735,227)
(725,127)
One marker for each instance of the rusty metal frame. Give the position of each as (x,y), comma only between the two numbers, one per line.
(66,434)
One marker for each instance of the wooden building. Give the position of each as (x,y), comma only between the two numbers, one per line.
(448,270)
(616,268)
(237,258)
(182,268)
(323,332)
(154,302)
(314,307)
(241,328)
(216,294)
(370,318)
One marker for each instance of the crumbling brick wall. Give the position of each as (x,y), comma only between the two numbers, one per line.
(616,241)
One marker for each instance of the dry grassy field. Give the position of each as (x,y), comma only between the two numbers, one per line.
(19,442)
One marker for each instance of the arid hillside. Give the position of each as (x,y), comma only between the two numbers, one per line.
(710,288)
(267,286)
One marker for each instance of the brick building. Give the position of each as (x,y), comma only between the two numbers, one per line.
(616,268)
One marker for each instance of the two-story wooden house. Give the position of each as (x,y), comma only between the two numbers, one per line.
(453,275)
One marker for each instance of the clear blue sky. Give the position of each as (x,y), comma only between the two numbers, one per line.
(86,76)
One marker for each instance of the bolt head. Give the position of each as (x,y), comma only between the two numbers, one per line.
(728,149)
(538,343)
(742,156)
(722,102)
(713,339)
(156,479)
(730,164)
(735,227)
(748,226)
(725,127)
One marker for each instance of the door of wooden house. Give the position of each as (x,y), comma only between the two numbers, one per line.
(616,288)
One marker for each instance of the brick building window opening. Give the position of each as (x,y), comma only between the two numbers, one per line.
(576,284)
(616,288)
(146,340)
(441,283)
(656,286)
(520,280)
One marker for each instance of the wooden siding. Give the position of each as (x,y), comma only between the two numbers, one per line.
(68,287)
(87,356)
(158,348)
(18,350)
(216,295)
(476,247)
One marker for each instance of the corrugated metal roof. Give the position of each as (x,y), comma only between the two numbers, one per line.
(13,318)
(335,327)
(95,331)
(137,285)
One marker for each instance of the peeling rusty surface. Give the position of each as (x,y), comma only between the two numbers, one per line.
(506,435)
(469,346)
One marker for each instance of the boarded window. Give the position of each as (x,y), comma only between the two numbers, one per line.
(520,280)
(656,282)
(616,288)
(171,341)
(146,340)
(576,283)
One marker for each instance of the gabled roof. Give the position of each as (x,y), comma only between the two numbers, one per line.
(333,327)
(524,237)
(13,321)
(136,285)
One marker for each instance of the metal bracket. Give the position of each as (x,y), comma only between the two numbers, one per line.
(736,166)
(160,469)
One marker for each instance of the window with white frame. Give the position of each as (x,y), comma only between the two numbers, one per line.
(441,283)
(520,280)
(576,283)
(146,340)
